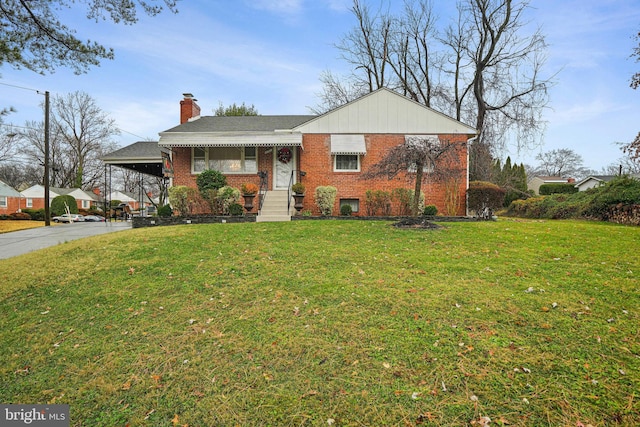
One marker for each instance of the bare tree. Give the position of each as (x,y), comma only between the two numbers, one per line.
(421,159)
(85,132)
(7,146)
(562,162)
(484,69)
(635,79)
(80,135)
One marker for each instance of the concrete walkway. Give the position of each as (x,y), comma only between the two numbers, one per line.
(21,242)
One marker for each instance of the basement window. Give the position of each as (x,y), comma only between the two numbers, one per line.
(354,203)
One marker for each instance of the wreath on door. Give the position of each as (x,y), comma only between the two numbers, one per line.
(284,155)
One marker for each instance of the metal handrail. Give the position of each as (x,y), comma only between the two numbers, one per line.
(289,191)
(263,186)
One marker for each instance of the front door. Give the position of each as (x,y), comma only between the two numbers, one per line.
(284,164)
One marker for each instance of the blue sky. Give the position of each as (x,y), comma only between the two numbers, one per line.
(270,53)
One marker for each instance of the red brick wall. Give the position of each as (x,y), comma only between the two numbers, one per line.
(13,204)
(316,160)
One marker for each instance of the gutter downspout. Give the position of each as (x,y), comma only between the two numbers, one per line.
(466,193)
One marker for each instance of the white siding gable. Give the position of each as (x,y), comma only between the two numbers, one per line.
(385,112)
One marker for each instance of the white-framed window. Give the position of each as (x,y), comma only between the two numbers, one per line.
(422,143)
(3,202)
(86,204)
(29,202)
(228,160)
(354,203)
(346,163)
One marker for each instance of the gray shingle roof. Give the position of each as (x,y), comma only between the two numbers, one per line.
(241,123)
(7,190)
(137,150)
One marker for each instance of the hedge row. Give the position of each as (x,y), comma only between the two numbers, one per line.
(601,203)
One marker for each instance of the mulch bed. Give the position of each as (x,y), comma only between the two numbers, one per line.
(416,224)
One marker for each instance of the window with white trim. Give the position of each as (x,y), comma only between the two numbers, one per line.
(228,160)
(86,204)
(29,202)
(346,163)
(354,203)
(3,202)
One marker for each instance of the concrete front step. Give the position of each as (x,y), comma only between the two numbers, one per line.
(273,218)
(274,208)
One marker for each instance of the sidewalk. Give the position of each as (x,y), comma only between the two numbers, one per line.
(21,242)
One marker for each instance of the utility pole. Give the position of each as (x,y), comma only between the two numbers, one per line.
(47,209)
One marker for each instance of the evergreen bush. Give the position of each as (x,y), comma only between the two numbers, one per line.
(325,199)
(59,205)
(557,188)
(484,194)
(165,211)
(430,210)
(210,179)
(346,210)
(236,209)
(36,214)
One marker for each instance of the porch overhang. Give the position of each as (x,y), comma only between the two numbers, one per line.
(348,145)
(190,139)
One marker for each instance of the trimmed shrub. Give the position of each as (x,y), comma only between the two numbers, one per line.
(59,205)
(484,194)
(430,210)
(20,216)
(210,180)
(165,211)
(346,210)
(325,199)
(558,188)
(36,214)
(182,199)
(226,197)
(236,209)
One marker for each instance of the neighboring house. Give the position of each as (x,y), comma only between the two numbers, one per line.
(33,197)
(335,148)
(593,181)
(132,200)
(9,199)
(535,182)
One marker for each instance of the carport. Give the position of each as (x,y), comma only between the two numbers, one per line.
(144,157)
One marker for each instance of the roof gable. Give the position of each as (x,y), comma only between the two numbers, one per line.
(385,112)
(7,190)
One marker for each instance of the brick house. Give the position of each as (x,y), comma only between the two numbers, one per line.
(33,197)
(9,199)
(335,148)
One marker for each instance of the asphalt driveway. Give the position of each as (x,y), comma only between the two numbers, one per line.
(21,242)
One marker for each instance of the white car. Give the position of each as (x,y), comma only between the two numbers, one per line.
(68,218)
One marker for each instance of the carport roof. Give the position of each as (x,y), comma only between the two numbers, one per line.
(141,156)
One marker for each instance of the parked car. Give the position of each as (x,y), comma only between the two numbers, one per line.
(94,218)
(68,218)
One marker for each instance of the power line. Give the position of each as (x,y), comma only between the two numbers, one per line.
(20,87)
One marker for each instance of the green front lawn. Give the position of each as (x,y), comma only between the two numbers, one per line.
(344,323)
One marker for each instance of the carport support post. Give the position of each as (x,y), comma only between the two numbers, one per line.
(47,208)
